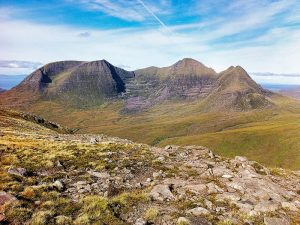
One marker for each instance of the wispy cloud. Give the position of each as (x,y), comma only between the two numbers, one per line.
(130,10)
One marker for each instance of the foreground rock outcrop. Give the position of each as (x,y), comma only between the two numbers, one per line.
(86,179)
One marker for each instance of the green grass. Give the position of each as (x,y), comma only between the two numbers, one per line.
(270,136)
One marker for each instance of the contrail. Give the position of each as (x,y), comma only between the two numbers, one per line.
(155,17)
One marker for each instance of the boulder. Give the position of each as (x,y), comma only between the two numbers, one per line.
(198,211)
(161,192)
(58,185)
(6,197)
(17,171)
(275,221)
(183,221)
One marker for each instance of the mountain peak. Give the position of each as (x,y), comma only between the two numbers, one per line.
(189,62)
(189,66)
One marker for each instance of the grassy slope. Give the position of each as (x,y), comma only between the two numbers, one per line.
(271,137)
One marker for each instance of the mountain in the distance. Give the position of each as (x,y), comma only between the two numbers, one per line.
(2,90)
(292,92)
(72,82)
(85,84)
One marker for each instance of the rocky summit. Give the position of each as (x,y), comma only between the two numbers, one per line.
(48,177)
(86,84)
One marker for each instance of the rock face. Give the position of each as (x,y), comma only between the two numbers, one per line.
(84,84)
(74,82)
(121,182)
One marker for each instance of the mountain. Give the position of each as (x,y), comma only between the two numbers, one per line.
(53,178)
(9,81)
(235,88)
(74,83)
(85,84)
(227,112)
(2,90)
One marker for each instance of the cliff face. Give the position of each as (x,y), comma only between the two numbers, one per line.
(72,82)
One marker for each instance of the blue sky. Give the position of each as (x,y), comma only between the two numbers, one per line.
(260,35)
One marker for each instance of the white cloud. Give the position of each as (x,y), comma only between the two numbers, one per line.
(137,48)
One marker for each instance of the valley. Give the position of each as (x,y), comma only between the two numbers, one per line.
(185,103)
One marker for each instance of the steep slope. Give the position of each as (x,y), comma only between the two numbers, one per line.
(15,121)
(52,178)
(75,83)
(236,90)
(186,79)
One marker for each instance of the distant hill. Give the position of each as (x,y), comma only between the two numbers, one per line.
(9,81)
(85,84)
(2,90)
(74,83)
(292,92)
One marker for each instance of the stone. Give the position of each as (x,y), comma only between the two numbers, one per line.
(208,204)
(196,188)
(266,207)
(232,197)
(275,221)
(140,221)
(102,175)
(93,140)
(211,154)
(183,221)
(17,171)
(6,197)
(228,176)
(156,175)
(58,185)
(161,192)
(198,211)
(289,205)
(241,159)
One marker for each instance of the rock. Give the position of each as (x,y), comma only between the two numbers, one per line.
(241,159)
(140,221)
(148,180)
(93,140)
(58,185)
(208,204)
(198,211)
(290,206)
(213,189)
(183,221)
(161,192)
(211,154)
(102,175)
(6,197)
(232,197)
(276,221)
(228,176)
(17,171)
(196,188)
(266,207)
(58,164)
(156,175)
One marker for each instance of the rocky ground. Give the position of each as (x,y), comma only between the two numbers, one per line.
(55,178)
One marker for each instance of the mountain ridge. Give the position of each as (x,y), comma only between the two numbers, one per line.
(88,84)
